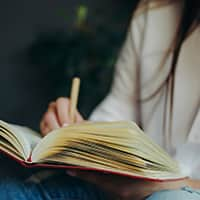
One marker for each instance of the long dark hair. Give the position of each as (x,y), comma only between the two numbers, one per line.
(189,21)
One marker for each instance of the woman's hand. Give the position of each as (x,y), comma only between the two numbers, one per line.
(57,115)
(127,188)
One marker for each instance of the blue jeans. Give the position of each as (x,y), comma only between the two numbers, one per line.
(60,187)
(63,187)
(185,193)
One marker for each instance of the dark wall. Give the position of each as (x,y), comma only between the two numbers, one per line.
(24,89)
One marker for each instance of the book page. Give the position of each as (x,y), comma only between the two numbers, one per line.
(116,146)
(21,138)
(31,136)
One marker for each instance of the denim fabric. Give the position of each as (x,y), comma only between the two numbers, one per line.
(63,187)
(185,193)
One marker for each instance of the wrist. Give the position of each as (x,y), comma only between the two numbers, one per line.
(171,185)
(193,183)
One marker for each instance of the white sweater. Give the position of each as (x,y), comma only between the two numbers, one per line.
(149,38)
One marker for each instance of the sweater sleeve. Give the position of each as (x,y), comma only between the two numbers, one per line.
(121,102)
(188,154)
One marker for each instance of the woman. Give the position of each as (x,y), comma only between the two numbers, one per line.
(156,84)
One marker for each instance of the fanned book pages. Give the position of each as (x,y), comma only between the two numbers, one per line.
(112,147)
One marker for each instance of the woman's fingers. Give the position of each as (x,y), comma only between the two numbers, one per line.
(79,118)
(50,119)
(44,128)
(62,108)
(57,115)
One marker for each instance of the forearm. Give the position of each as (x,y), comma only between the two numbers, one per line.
(193,183)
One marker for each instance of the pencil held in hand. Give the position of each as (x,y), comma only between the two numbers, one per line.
(74,99)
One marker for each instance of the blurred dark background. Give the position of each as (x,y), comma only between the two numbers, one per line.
(44,43)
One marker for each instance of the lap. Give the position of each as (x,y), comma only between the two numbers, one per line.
(61,187)
(57,187)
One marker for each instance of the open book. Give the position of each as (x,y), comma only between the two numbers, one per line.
(112,147)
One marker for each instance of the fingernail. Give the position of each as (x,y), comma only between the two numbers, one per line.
(65,124)
(71,173)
